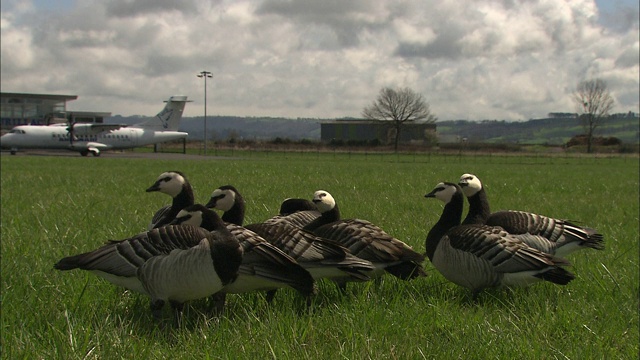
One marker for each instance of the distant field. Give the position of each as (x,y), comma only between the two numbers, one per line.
(57,206)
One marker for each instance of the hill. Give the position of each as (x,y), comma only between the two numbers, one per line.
(552,131)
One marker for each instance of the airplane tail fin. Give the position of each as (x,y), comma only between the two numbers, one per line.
(169,118)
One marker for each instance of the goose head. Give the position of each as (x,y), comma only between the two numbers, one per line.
(197,215)
(170,183)
(223,198)
(444,191)
(323,201)
(470,184)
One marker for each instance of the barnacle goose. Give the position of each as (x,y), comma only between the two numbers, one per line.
(365,240)
(321,257)
(480,256)
(176,185)
(174,263)
(264,266)
(554,236)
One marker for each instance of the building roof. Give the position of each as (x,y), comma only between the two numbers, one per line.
(40,96)
(367,121)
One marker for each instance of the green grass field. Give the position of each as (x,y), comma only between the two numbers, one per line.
(58,206)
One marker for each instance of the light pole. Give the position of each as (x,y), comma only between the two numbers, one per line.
(205,75)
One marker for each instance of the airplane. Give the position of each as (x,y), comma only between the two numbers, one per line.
(92,138)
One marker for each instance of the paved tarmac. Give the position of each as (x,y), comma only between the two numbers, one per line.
(114,154)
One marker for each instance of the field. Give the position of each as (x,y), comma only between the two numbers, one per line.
(58,206)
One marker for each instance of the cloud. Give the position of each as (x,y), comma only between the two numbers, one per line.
(485,59)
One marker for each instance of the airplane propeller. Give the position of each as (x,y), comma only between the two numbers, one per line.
(71,132)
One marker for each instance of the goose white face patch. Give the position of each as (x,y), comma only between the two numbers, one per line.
(444,192)
(190,217)
(470,184)
(224,199)
(324,201)
(171,183)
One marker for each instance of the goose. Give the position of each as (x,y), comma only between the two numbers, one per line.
(263,267)
(176,185)
(480,256)
(174,263)
(322,258)
(365,240)
(554,236)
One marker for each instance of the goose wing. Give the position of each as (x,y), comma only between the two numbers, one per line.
(302,218)
(264,260)
(558,231)
(124,257)
(310,250)
(505,253)
(368,241)
(158,217)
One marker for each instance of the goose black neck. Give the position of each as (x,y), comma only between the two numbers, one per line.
(451,216)
(184,198)
(326,217)
(478,208)
(235,215)
(211,221)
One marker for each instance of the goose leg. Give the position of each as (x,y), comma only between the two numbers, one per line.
(270,295)
(156,309)
(177,313)
(342,286)
(218,301)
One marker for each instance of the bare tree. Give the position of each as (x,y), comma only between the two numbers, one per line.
(593,103)
(398,106)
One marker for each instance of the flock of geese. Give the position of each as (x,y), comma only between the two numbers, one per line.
(190,252)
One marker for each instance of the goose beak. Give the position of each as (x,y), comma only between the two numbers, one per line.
(154,187)
(211,204)
(213,201)
(180,220)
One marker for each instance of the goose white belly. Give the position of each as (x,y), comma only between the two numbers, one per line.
(131,283)
(378,269)
(324,272)
(182,275)
(246,283)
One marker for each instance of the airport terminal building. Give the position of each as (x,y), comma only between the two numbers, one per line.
(41,109)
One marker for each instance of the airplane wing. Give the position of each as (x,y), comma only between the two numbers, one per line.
(85,147)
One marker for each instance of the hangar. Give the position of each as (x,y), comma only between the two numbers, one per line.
(382,132)
(41,109)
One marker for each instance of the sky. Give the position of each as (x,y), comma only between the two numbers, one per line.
(470,59)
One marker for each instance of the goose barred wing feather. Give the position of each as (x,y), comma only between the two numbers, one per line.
(368,241)
(563,233)
(123,257)
(537,242)
(301,218)
(506,255)
(158,216)
(310,250)
(266,261)
(520,222)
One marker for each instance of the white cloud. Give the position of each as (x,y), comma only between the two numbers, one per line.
(486,59)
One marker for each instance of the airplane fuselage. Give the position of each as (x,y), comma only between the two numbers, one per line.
(57,137)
